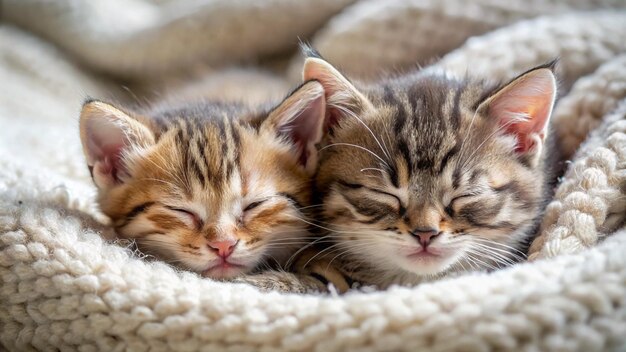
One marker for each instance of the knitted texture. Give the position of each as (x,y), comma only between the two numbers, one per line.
(591,199)
(590,99)
(582,41)
(63,287)
(66,285)
(372,37)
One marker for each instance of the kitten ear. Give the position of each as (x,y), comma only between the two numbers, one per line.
(523,108)
(343,99)
(300,118)
(108,135)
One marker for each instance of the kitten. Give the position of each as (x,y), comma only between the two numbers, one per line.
(426,175)
(216,188)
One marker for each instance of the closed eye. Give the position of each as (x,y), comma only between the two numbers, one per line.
(356,186)
(449,208)
(254,205)
(189,215)
(388,195)
(467,195)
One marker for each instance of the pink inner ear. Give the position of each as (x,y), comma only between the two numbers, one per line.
(524,107)
(523,121)
(112,160)
(304,129)
(106,143)
(334,85)
(315,69)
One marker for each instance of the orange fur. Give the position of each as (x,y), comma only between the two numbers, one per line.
(182,181)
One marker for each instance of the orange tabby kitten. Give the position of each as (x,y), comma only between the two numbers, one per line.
(211,187)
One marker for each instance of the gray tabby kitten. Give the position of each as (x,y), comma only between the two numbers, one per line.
(426,175)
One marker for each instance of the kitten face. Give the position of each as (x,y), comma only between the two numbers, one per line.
(426,174)
(210,188)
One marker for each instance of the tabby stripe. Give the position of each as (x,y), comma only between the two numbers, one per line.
(388,95)
(496,226)
(235,134)
(371,221)
(456,109)
(191,127)
(320,278)
(292,199)
(232,155)
(348,280)
(401,113)
(414,95)
(393,176)
(201,148)
(357,186)
(220,125)
(180,137)
(134,212)
(507,187)
(377,214)
(194,167)
(424,164)
(449,210)
(360,210)
(475,175)
(237,142)
(456,178)
(479,210)
(200,160)
(441,104)
(452,152)
(139,209)
(224,149)
(349,185)
(223,169)
(404,151)
(513,188)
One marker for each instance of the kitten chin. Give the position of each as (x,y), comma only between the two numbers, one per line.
(426,175)
(213,187)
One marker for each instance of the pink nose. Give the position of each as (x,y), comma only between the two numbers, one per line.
(425,236)
(224,248)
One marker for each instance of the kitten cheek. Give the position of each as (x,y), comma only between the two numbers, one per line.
(138,227)
(247,217)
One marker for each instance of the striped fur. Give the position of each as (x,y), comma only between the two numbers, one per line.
(430,151)
(177,178)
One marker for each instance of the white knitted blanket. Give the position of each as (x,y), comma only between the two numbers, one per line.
(64,286)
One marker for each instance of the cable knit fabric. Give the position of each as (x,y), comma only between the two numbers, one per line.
(582,41)
(67,284)
(372,37)
(591,98)
(591,199)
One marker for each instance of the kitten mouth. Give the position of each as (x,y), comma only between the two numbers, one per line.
(430,261)
(427,253)
(224,270)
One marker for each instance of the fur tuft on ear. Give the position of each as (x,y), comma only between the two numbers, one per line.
(309,52)
(300,118)
(523,108)
(342,98)
(108,136)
